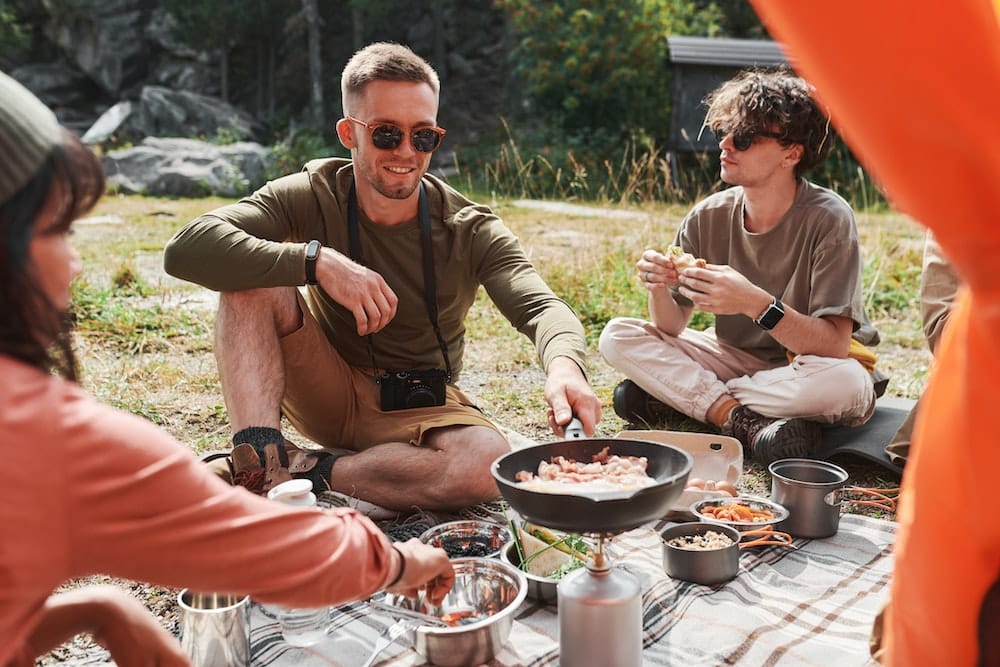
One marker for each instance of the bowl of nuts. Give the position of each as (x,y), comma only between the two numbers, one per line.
(702,553)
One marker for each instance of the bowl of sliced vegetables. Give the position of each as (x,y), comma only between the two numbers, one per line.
(742,512)
(545,557)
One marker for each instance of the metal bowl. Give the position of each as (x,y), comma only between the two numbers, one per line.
(540,589)
(701,566)
(481,604)
(779,512)
(468,539)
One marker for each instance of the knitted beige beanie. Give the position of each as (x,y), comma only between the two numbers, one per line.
(28,131)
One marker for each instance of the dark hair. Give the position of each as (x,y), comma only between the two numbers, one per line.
(32,328)
(773,101)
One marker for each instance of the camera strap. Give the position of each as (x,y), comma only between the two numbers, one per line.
(427,255)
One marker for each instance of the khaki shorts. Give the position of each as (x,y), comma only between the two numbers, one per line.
(337,405)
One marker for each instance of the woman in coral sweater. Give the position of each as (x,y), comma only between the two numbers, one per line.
(87,489)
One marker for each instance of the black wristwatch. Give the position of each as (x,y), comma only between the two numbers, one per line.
(770,317)
(312,254)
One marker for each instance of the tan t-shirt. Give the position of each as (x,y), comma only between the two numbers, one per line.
(811,261)
(259,242)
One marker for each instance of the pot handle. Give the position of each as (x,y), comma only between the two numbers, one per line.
(574,429)
(765,536)
(883,499)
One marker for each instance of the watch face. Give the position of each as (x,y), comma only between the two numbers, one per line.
(312,250)
(771,316)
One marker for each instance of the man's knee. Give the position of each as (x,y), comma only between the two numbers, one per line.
(615,331)
(470,453)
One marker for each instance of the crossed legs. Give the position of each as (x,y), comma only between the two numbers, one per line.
(449,469)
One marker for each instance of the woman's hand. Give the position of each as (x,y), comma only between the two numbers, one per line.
(118,622)
(424,567)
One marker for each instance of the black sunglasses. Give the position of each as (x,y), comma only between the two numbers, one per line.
(387,136)
(743,139)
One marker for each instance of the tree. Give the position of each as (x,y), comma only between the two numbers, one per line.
(311,13)
(13,35)
(225,25)
(207,25)
(598,65)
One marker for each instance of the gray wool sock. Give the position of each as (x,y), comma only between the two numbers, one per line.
(260,436)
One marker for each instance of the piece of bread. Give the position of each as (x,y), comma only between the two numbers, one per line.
(684,260)
(544,564)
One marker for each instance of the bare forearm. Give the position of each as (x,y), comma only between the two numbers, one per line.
(667,314)
(802,334)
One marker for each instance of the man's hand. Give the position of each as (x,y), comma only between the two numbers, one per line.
(568,393)
(722,290)
(357,288)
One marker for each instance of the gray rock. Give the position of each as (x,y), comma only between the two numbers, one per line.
(109,123)
(164,112)
(107,40)
(187,168)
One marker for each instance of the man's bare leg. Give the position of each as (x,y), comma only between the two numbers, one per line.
(450,471)
(248,329)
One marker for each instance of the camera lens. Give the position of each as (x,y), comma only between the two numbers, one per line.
(420,397)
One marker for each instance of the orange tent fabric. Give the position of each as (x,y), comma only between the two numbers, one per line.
(914,89)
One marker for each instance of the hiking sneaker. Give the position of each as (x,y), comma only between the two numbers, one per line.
(258,473)
(219,464)
(634,405)
(766,439)
(333,499)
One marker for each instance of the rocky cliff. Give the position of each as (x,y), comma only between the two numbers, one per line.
(83,57)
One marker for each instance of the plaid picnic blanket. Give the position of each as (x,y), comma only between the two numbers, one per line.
(812,605)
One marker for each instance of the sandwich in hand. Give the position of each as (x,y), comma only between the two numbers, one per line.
(684,260)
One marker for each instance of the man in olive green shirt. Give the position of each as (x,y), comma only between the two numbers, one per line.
(357,363)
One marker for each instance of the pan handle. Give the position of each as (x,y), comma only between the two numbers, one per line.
(574,429)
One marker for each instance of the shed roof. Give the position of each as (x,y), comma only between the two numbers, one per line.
(726,51)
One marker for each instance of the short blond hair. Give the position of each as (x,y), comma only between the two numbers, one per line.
(384,61)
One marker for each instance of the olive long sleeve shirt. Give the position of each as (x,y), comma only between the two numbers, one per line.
(260,242)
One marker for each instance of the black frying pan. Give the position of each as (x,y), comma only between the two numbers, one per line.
(604,512)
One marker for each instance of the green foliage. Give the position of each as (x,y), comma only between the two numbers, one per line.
(122,317)
(13,33)
(294,150)
(842,173)
(597,66)
(206,24)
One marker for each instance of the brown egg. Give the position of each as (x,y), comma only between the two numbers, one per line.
(726,487)
(695,483)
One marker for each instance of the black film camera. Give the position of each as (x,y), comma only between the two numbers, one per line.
(403,390)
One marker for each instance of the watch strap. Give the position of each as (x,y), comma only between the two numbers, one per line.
(312,254)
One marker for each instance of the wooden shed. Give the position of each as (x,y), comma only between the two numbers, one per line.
(699,65)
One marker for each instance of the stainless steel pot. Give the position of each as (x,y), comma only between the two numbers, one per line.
(486,590)
(809,491)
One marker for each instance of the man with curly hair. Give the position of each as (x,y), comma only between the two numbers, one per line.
(781,275)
